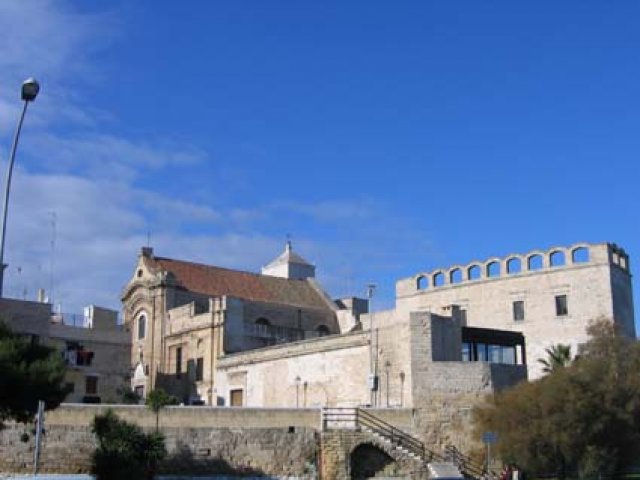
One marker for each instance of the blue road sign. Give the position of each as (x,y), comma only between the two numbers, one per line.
(489,437)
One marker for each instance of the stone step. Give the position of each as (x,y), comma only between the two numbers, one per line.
(444,470)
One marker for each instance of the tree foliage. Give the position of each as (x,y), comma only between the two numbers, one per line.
(558,356)
(28,372)
(158,399)
(124,451)
(583,419)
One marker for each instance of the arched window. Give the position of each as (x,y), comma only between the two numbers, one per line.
(556,259)
(438,279)
(580,255)
(422,282)
(534,262)
(455,276)
(493,269)
(514,265)
(473,272)
(142,326)
(322,330)
(263,321)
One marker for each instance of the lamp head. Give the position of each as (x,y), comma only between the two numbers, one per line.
(30,89)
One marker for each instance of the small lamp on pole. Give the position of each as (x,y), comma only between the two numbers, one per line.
(30,89)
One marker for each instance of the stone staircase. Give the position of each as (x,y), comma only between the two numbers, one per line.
(450,466)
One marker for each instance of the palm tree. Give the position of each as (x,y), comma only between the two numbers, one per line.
(558,356)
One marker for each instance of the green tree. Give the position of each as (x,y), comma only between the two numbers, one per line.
(558,356)
(124,451)
(28,372)
(158,399)
(582,420)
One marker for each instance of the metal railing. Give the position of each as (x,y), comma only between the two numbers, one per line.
(357,418)
(466,464)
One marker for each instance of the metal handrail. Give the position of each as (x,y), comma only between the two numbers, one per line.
(465,463)
(397,436)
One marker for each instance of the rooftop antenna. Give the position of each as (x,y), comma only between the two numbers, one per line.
(148,238)
(54,219)
(288,243)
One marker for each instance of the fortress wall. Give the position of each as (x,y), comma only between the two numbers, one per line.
(488,300)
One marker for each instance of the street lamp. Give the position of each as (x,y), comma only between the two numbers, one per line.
(30,89)
(298,379)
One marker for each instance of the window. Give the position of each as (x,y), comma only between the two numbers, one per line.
(463,316)
(562,308)
(438,279)
(466,352)
(91,385)
(422,283)
(178,362)
(142,326)
(518,310)
(322,330)
(199,369)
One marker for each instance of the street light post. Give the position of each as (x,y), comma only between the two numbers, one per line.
(30,89)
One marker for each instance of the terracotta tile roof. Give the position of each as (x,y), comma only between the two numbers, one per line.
(217,281)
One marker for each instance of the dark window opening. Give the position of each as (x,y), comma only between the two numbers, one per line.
(142,327)
(91,385)
(322,330)
(263,321)
(199,369)
(518,310)
(562,308)
(178,362)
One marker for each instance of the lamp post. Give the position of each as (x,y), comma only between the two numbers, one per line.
(373,349)
(298,379)
(30,89)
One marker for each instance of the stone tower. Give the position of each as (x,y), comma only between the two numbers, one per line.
(290,265)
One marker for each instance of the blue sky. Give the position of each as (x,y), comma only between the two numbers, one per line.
(386,137)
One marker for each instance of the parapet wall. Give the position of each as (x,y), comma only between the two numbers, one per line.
(536,261)
(275,442)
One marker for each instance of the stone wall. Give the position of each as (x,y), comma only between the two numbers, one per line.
(597,287)
(199,440)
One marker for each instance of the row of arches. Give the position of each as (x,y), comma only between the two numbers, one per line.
(512,265)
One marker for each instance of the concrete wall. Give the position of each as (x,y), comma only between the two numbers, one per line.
(31,318)
(328,371)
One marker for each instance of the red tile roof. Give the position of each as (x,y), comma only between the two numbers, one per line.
(217,281)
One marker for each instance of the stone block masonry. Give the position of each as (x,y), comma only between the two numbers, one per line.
(199,440)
